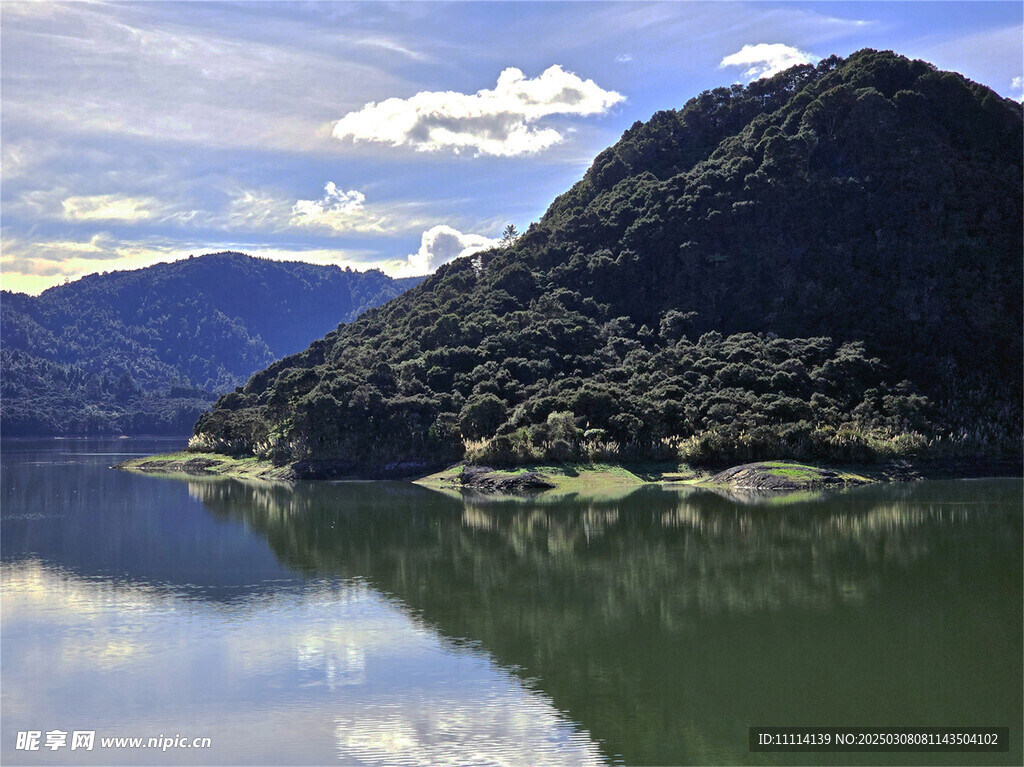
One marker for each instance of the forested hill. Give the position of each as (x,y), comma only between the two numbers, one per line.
(826,263)
(148,350)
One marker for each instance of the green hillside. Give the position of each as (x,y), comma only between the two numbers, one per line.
(825,264)
(147,351)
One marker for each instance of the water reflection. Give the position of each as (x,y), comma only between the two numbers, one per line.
(329,672)
(715,554)
(130,610)
(385,623)
(666,622)
(62,504)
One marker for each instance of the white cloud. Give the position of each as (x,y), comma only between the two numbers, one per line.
(392,46)
(1017,88)
(767,59)
(338,210)
(32,8)
(499,122)
(624,58)
(341,210)
(441,244)
(53,200)
(106,207)
(227,207)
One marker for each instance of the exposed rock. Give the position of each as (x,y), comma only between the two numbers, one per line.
(488,480)
(777,476)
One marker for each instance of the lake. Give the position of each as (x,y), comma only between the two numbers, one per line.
(385,623)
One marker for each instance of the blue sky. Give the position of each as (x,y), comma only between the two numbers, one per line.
(388,135)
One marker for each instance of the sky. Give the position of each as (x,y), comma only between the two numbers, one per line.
(379,135)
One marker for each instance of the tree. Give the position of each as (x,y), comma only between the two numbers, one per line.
(481,415)
(509,235)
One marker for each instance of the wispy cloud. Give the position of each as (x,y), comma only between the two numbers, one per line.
(107,207)
(128,71)
(18,158)
(766,59)
(500,121)
(252,210)
(57,203)
(230,207)
(392,46)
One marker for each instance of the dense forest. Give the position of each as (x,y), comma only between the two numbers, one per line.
(823,264)
(147,351)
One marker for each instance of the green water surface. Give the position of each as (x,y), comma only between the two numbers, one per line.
(384,623)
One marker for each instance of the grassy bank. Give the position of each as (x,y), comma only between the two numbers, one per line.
(604,479)
(582,479)
(579,479)
(553,480)
(206,464)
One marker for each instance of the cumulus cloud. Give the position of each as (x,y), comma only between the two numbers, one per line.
(766,59)
(347,210)
(441,244)
(499,122)
(106,207)
(339,210)
(1018,88)
(335,204)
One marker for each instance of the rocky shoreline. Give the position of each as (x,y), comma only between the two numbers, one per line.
(761,477)
(783,477)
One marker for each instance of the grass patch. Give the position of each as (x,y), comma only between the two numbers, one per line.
(206,464)
(787,476)
(800,471)
(591,481)
(790,470)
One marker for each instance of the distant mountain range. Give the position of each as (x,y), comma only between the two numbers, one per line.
(822,264)
(146,351)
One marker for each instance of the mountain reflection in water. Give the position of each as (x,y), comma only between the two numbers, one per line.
(384,623)
(668,621)
(130,610)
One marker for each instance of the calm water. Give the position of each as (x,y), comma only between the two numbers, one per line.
(383,623)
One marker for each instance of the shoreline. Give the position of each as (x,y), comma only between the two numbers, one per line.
(182,464)
(558,479)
